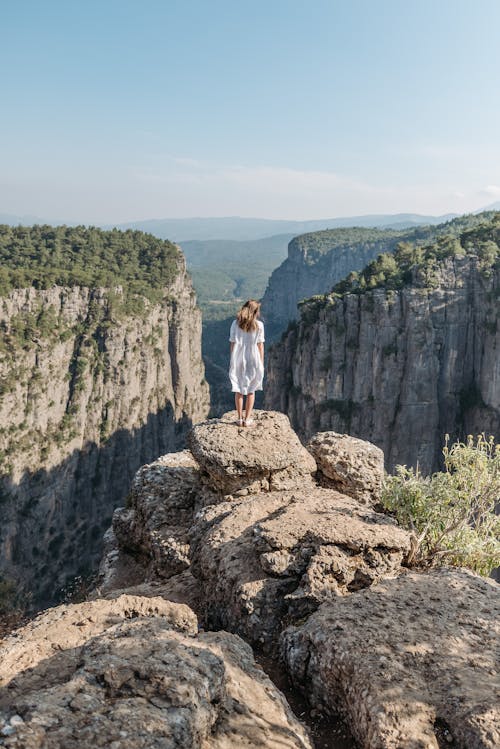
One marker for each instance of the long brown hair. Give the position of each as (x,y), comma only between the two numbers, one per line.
(247,316)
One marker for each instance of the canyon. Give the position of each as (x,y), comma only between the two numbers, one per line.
(319,260)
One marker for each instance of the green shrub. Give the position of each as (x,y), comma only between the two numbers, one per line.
(452,513)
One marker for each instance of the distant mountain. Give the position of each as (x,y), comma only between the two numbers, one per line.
(241,229)
(491,207)
(13,220)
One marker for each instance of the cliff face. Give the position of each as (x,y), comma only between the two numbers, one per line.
(308,271)
(87,395)
(399,368)
(319,260)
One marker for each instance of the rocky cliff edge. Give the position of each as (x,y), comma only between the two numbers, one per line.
(249,531)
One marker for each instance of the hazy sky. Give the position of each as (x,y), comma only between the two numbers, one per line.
(116,110)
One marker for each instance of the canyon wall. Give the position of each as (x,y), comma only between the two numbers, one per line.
(319,260)
(89,391)
(401,368)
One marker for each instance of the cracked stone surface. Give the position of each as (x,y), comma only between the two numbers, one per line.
(272,557)
(406,657)
(396,651)
(265,457)
(349,465)
(153,528)
(89,675)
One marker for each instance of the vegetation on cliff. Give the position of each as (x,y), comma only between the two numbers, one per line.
(452,513)
(45,256)
(417,265)
(320,243)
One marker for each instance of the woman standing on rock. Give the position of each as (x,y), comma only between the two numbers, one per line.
(246,369)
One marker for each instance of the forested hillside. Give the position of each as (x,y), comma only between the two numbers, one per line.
(226,270)
(42,256)
(100,371)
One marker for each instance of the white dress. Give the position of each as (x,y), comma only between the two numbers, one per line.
(246,369)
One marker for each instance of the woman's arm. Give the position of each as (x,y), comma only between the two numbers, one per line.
(231,346)
(260,346)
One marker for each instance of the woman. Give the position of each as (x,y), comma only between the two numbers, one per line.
(246,369)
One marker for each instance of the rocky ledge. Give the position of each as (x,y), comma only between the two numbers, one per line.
(412,659)
(132,673)
(281,545)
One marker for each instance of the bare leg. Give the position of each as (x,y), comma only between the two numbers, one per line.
(249,405)
(238,401)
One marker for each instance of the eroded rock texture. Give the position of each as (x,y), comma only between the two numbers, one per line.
(396,651)
(407,659)
(267,457)
(244,533)
(274,557)
(398,368)
(82,407)
(352,466)
(132,674)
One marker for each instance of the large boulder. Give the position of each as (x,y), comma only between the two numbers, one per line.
(239,460)
(412,661)
(153,528)
(349,465)
(274,557)
(138,683)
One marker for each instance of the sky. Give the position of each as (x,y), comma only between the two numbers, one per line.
(117,110)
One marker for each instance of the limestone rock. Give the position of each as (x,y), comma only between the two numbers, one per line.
(272,557)
(154,527)
(316,262)
(399,368)
(265,457)
(350,465)
(139,684)
(87,404)
(117,568)
(67,628)
(181,588)
(406,659)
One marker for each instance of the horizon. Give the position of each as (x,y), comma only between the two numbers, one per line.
(33,220)
(123,109)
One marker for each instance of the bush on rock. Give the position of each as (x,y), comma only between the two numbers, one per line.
(452,513)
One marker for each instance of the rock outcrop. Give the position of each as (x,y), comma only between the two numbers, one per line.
(400,368)
(410,660)
(133,673)
(352,466)
(265,542)
(85,400)
(319,571)
(275,460)
(273,558)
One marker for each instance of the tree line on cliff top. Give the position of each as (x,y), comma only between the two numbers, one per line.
(419,265)
(44,256)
